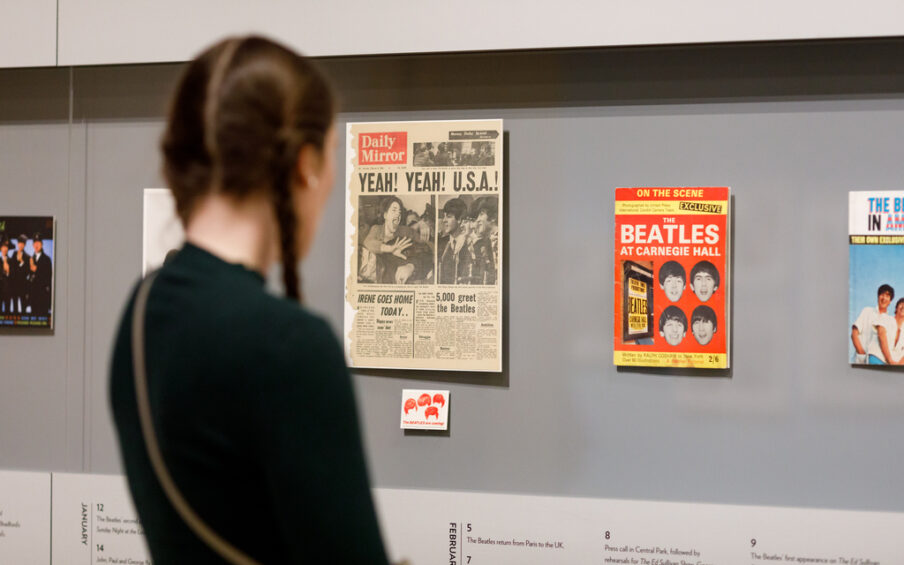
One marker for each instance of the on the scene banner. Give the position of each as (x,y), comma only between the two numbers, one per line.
(423,254)
(671,277)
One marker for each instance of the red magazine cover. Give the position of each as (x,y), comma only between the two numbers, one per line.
(672,277)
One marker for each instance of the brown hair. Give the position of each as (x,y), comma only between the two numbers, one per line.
(386,203)
(242,111)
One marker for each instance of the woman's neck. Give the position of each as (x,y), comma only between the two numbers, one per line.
(236,231)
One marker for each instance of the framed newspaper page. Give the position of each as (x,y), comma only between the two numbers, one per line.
(423,249)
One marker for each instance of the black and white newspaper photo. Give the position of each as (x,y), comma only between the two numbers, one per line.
(454,153)
(467,250)
(396,237)
(424,245)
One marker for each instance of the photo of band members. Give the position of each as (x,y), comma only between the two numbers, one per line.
(702,282)
(454,154)
(691,290)
(405,239)
(876,316)
(26,271)
(467,249)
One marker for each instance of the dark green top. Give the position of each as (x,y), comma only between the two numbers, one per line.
(256,420)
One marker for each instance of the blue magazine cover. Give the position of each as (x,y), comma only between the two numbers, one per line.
(876,312)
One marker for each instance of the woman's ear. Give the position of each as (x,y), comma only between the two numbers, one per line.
(310,165)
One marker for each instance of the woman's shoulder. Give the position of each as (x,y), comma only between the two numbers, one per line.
(375,230)
(294,348)
(290,330)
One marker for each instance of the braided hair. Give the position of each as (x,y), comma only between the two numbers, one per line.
(241,114)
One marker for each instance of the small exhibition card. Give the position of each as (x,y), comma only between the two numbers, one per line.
(425,409)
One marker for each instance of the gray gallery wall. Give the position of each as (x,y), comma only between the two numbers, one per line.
(790,127)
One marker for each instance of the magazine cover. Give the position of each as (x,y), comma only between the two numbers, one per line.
(876,235)
(423,254)
(671,277)
(26,272)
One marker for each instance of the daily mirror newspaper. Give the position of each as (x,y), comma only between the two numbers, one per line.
(423,254)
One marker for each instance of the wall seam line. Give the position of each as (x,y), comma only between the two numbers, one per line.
(57,45)
(69,368)
(86,362)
